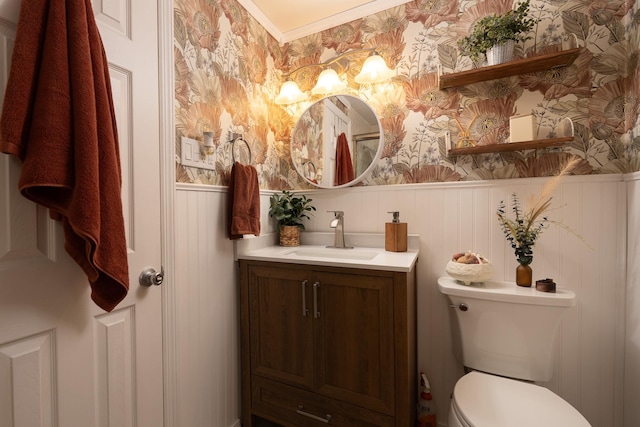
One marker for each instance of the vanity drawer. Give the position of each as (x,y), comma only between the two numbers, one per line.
(303,408)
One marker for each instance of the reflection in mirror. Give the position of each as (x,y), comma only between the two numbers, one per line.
(365,148)
(320,152)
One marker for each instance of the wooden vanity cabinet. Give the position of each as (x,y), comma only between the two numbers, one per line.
(327,345)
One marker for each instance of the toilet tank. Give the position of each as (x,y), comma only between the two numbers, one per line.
(505,329)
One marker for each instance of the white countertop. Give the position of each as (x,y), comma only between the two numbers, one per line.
(369,258)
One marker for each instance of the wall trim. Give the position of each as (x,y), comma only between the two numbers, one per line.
(181,186)
(633,176)
(475,184)
(352,14)
(166,96)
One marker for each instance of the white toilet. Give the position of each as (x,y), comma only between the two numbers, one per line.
(505,334)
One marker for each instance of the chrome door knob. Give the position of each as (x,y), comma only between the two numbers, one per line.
(150,276)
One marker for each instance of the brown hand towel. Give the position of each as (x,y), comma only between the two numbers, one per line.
(58,118)
(244,201)
(344,165)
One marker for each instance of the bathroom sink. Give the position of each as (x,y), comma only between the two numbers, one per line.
(369,252)
(336,253)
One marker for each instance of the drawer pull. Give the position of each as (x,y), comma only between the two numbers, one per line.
(301,411)
(316,313)
(305,310)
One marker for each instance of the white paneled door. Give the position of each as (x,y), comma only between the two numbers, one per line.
(64,362)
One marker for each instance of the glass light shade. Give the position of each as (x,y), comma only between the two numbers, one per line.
(328,82)
(374,70)
(290,93)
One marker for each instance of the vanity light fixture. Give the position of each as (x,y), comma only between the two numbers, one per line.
(374,70)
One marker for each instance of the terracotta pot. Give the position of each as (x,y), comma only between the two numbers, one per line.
(289,235)
(523,275)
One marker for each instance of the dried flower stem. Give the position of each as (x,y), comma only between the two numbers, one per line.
(523,231)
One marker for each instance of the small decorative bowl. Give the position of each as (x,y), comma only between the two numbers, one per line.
(468,273)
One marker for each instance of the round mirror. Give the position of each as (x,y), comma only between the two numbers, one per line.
(336,142)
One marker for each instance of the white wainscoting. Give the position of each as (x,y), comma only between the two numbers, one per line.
(632,313)
(207,341)
(206,309)
(448,217)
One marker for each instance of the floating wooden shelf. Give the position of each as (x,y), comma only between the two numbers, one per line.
(512,68)
(513,146)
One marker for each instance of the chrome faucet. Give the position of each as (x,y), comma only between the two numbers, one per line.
(338,224)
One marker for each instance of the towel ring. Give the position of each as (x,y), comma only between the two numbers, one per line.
(238,138)
(310,163)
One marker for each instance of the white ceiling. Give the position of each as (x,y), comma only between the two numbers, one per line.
(288,20)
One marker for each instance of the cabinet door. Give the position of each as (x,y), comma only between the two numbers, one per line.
(354,339)
(280,324)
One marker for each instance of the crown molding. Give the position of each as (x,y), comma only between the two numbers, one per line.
(319,25)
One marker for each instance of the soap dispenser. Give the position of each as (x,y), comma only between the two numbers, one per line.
(395,234)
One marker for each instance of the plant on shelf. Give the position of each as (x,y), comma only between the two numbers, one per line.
(496,30)
(289,211)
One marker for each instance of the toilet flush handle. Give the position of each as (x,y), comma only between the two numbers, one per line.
(462,306)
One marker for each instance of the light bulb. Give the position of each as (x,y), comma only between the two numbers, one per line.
(374,70)
(290,93)
(328,82)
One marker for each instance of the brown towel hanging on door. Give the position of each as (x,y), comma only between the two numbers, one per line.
(58,118)
(344,165)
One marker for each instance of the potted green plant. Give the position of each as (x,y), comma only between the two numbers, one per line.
(494,32)
(290,210)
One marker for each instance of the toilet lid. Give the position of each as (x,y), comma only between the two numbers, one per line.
(483,400)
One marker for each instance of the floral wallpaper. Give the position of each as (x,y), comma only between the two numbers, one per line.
(307,142)
(228,71)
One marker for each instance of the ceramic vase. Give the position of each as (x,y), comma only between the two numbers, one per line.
(523,275)
(501,53)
